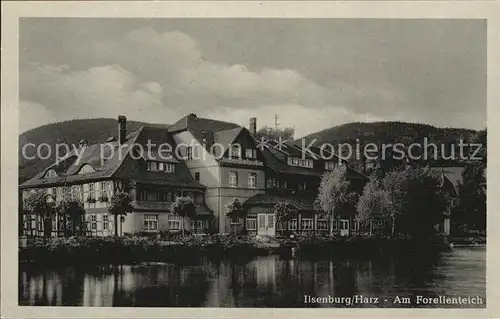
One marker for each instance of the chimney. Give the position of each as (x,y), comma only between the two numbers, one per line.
(253,126)
(122,129)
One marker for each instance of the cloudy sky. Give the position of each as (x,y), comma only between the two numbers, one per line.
(313,73)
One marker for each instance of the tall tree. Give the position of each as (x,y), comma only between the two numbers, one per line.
(73,208)
(335,193)
(416,201)
(373,202)
(285,212)
(39,203)
(471,209)
(184,206)
(120,206)
(235,212)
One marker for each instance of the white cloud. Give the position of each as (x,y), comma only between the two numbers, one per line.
(160,77)
(105,91)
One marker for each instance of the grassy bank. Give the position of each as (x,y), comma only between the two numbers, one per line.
(167,248)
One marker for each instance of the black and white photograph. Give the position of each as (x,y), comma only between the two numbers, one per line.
(251,162)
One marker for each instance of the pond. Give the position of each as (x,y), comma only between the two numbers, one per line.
(269,281)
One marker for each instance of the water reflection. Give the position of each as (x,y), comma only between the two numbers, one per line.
(262,282)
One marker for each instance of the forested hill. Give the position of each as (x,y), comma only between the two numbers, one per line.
(394,132)
(69,132)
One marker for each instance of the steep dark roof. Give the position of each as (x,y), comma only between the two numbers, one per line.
(121,164)
(104,168)
(452,176)
(302,202)
(136,171)
(277,161)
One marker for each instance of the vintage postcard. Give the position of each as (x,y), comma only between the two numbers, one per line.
(249,159)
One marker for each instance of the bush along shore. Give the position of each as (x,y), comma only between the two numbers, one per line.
(139,248)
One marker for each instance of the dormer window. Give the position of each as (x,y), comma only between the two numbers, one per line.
(152,167)
(295,161)
(160,167)
(50,174)
(250,153)
(235,151)
(86,169)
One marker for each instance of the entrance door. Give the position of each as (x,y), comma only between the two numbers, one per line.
(344,227)
(265,224)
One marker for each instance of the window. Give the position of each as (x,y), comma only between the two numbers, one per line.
(152,167)
(105,220)
(169,168)
(252,180)
(199,224)
(270,220)
(92,190)
(302,185)
(235,151)
(250,153)
(54,193)
(75,192)
(142,194)
(233,179)
(104,192)
(295,161)
(166,167)
(168,196)
(86,169)
(50,174)
(271,182)
(307,224)
(292,224)
(189,153)
(322,224)
(174,222)
(283,183)
(329,165)
(197,176)
(93,224)
(150,222)
(252,222)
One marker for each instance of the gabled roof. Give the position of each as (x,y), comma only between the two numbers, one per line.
(452,176)
(208,132)
(105,164)
(120,164)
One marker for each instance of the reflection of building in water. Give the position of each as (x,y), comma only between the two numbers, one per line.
(98,291)
(266,271)
(219,294)
(42,289)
